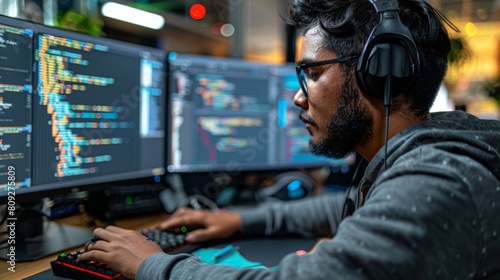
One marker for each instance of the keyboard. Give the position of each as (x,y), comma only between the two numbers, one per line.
(172,242)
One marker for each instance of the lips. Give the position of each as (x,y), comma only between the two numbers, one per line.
(305,118)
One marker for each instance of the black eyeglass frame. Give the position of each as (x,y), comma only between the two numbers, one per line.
(300,67)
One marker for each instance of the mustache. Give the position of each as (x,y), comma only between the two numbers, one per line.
(303,116)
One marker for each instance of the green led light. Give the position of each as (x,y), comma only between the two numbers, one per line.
(128,200)
(184,229)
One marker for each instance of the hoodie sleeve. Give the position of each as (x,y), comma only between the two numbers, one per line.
(312,216)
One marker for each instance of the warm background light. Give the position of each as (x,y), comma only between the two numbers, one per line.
(132,15)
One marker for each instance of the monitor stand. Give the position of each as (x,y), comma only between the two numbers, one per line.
(33,238)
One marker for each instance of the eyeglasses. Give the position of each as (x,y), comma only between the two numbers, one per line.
(302,75)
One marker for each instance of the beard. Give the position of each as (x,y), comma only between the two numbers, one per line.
(350,127)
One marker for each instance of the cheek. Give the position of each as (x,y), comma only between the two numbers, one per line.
(323,105)
(326,115)
(322,113)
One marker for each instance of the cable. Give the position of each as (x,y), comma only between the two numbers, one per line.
(194,202)
(387,104)
(348,191)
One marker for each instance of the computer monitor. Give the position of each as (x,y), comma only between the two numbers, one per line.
(16,88)
(228,114)
(77,113)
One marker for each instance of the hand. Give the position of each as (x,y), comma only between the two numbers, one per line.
(215,224)
(123,250)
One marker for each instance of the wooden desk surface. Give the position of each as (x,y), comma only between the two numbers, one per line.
(26,269)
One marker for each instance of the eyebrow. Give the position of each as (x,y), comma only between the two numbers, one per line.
(305,60)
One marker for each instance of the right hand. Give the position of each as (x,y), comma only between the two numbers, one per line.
(215,225)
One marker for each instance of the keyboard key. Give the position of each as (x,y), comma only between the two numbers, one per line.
(66,265)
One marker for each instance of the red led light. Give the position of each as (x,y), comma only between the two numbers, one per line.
(90,271)
(197,11)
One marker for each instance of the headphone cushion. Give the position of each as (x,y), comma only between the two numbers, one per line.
(385,59)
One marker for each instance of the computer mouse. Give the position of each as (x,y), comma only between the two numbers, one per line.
(287,186)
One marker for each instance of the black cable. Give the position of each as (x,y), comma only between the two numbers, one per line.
(386,137)
(346,199)
(387,104)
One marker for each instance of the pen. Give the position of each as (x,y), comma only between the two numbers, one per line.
(222,252)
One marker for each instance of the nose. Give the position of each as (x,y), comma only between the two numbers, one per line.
(300,100)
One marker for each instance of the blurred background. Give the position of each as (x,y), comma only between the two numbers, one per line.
(255,30)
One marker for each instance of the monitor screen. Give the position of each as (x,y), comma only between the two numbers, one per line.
(16,90)
(77,111)
(234,115)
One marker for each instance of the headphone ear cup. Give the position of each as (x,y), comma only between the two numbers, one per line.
(287,186)
(389,61)
(381,61)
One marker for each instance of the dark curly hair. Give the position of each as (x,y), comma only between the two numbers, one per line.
(346,25)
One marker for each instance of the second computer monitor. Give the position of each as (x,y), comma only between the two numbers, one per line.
(235,115)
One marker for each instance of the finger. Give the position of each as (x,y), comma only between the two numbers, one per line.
(87,245)
(173,222)
(103,234)
(112,228)
(201,235)
(99,245)
(95,255)
(182,211)
(187,218)
(116,230)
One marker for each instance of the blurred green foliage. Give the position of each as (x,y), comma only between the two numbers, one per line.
(459,53)
(76,21)
(492,88)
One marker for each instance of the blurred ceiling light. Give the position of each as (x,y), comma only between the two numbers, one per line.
(227,30)
(470,29)
(197,11)
(132,15)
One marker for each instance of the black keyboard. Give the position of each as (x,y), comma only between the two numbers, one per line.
(65,265)
(172,242)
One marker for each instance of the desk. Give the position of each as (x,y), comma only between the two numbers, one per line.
(253,249)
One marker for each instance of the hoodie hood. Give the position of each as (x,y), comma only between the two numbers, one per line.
(456,132)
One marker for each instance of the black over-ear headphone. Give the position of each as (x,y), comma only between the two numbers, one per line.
(390,59)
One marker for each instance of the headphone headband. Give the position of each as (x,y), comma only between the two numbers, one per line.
(384,5)
(390,57)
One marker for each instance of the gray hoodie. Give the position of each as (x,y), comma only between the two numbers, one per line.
(433,214)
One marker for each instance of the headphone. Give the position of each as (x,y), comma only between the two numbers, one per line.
(390,59)
(287,186)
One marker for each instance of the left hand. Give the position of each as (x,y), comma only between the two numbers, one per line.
(123,250)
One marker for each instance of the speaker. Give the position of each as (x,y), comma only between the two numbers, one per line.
(287,186)
(389,60)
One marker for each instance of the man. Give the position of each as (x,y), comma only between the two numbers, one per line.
(427,206)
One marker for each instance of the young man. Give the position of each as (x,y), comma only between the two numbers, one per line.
(427,206)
